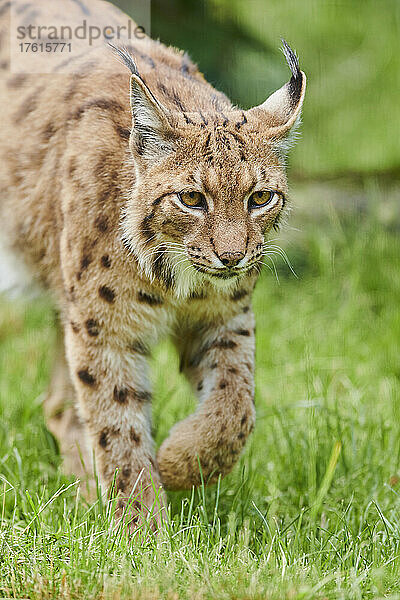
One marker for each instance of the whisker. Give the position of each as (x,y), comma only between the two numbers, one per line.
(285,257)
(183,260)
(264,264)
(190,266)
(160,250)
(169,243)
(271,240)
(273,266)
(152,237)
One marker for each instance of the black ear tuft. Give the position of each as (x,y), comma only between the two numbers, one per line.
(291,59)
(296,81)
(281,110)
(126,58)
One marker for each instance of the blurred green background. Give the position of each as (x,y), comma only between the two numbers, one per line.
(349,50)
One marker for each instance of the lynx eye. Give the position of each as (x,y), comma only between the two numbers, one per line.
(262,198)
(193,199)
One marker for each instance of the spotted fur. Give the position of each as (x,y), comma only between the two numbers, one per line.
(92,165)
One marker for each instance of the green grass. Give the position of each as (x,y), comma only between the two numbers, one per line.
(313,508)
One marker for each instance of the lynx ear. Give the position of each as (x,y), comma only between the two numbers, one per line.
(151,131)
(151,134)
(282,109)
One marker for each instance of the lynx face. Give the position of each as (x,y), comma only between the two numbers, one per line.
(209,186)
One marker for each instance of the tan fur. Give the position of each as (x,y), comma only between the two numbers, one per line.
(92,212)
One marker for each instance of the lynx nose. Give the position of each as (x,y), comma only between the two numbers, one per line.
(231,259)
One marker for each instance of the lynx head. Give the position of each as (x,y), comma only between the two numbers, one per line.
(210,184)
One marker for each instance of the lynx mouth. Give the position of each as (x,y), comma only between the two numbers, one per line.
(220,273)
(231,273)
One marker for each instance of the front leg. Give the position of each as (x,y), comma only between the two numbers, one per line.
(114,401)
(108,332)
(220,364)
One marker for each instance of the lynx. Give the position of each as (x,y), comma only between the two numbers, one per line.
(142,199)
